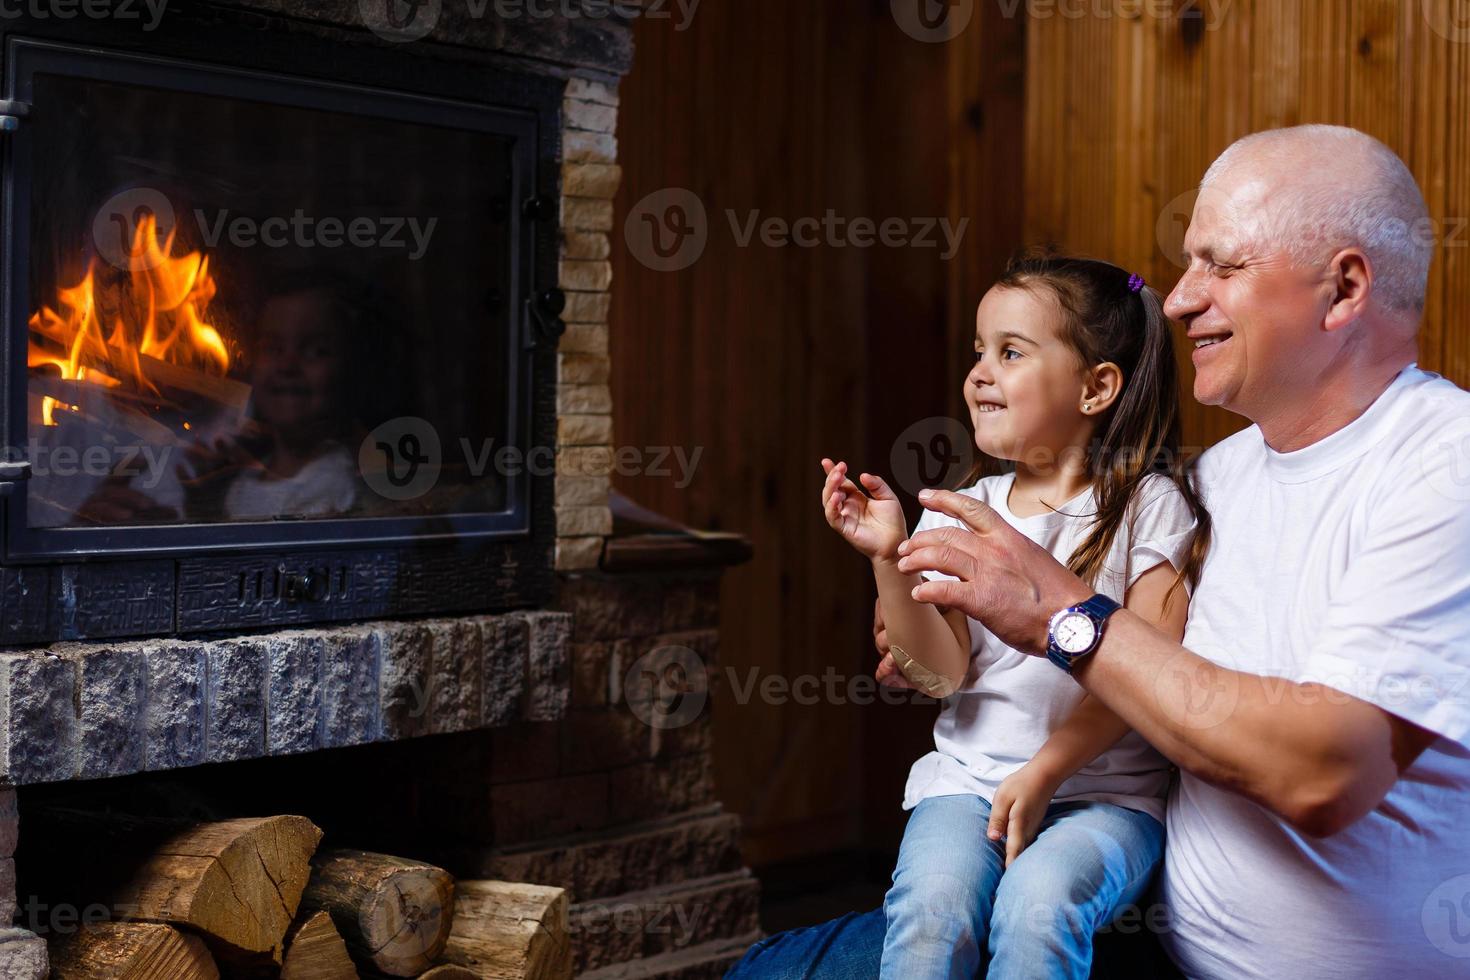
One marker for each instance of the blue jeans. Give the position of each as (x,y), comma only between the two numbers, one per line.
(955,911)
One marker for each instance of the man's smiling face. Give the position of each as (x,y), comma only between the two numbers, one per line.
(1252,312)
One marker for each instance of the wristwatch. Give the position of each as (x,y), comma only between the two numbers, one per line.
(1077,630)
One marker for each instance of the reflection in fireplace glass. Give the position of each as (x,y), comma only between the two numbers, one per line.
(246,312)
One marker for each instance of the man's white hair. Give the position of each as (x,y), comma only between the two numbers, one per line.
(1333,187)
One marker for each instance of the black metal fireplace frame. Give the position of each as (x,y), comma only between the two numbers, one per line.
(150,580)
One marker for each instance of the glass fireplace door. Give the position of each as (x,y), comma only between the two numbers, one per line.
(277,308)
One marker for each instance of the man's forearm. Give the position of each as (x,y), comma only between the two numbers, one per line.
(1315,756)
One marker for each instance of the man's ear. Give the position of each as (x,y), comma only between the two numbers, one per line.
(1352,285)
(1101,387)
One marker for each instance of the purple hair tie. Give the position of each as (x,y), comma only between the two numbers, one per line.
(1135,282)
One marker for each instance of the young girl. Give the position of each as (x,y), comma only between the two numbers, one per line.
(1038,816)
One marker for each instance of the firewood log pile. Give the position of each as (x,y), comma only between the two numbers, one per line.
(255,899)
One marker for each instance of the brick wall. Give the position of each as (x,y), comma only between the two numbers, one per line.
(616,802)
(584,431)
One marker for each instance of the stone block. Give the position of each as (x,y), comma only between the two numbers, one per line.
(578,554)
(505,641)
(456,691)
(350,687)
(235,700)
(574,522)
(585,245)
(23,955)
(548,670)
(587,214)
(585,369)
(404,651)
(587,308)
(38,718)
(591,116)
(590,179)
(580,146)
(584,276)
(584,338)
(293,692)
(592,91)
(582,491)
(174,719)
(110,709)
(584,460)
(584,430)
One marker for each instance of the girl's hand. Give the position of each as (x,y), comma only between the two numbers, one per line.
(1016,812)
(873,525)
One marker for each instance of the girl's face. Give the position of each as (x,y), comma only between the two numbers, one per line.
(1026,390)
(299,366)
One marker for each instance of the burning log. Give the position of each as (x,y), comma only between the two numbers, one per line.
(394,914)
(509,929)
(315,951)
(130,951)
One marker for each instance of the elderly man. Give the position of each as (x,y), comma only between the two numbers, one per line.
(1319,706)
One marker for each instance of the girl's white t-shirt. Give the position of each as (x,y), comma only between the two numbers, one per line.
(1010,703)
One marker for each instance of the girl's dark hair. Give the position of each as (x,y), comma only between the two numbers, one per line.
(1104,320)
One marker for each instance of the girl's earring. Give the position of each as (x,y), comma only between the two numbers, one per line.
(1087,406)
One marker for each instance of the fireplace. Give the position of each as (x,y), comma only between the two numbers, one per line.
(305,501)
(280,348)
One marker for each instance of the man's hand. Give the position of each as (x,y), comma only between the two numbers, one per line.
(1005,580)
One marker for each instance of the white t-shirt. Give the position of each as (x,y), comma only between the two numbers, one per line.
(1346,563)
(1010,703)
(324,487)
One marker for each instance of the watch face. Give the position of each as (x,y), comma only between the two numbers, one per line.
(1074,632)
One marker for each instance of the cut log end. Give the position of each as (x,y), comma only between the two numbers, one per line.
(510,929)
(315,951)
(131,951)
(394,914)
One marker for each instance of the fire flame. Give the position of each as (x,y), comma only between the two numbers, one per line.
(163,317)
